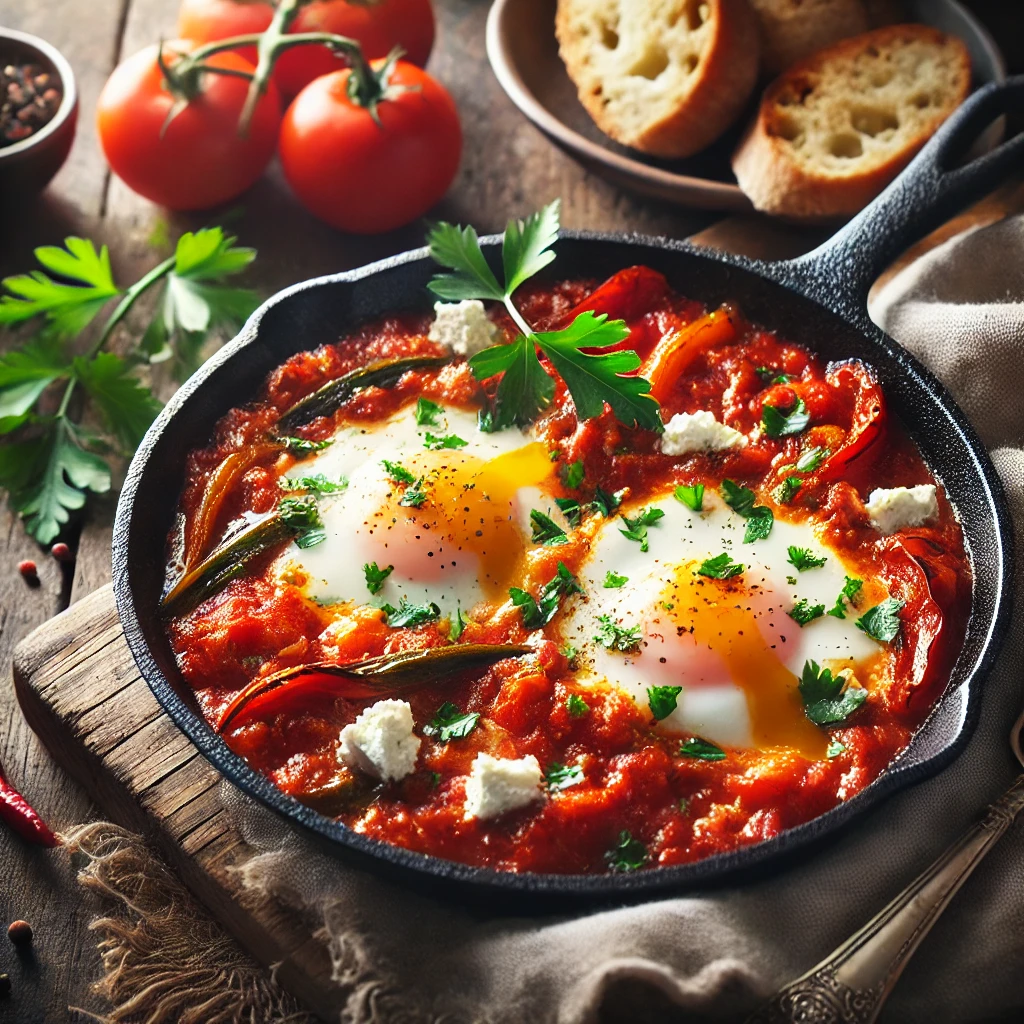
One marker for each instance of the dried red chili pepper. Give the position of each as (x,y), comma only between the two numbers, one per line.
(19,814)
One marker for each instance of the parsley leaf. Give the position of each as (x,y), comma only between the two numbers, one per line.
(628,854)
(760,518)
(851,588)
(811,459)
(414,496)
(571,510)
(576,705)
(397,472)
(539,612)
(526,249)
(692,496)
(303,516)
(126,406)
(803,612)
(637,525)
(721,567)
(68,308)
(316,484)
(435,443)
(606,503)
(457,625)
(802,559)
(828,699)
(662,700)
(573,474)
(545,530)
(299,446)
(882,622)
(25,374)
(780,424)
(525,389)
(375,576)
(410,615)
(449,723)
(835,748)
(739,499)
(614,637)
(612,580)
(700,749)
(558,776)
(459,249)
(428,414)
(787,490)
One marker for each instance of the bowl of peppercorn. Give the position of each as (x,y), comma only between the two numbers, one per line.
(38,110)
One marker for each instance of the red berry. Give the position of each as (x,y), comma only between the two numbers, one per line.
(28,569)
(61,551)
(20,933)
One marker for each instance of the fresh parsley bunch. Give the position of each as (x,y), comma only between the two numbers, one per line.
(526,388)
(49,459)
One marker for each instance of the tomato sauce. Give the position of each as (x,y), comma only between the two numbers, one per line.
(680,808)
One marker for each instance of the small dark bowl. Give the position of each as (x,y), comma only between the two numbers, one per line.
(28,166)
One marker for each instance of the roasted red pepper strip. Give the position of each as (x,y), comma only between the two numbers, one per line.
(18,813)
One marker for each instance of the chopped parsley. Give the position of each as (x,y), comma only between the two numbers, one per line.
(606,503)
(615,637)
(827,698)
(570,508)
(662,700)
(691,495)
(770,376)
(436,444)
(628,854)
(545,530)
(317,484)
(760,518)
(450,723)
(801,559)
(883,621)
(303,516)
(835,748)
(573,474)
(787,490)
(300,446)
(791,580)
(559,776)
(414,496)
(721,567)
(781,424)
(410,615)
(397,472)
(576,705)
(456,625)
(637,525)
(851,588)
(612,580)
(375,576)
(803,611)
(539,612)
(702,750)
(811,459)
(428,413)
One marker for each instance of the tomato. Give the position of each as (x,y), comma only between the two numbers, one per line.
(378,27)
(198,159)
(366,177)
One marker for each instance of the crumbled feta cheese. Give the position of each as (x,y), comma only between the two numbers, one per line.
(698,432)
(896,508)
(463,327)
(380,742)
(497,785)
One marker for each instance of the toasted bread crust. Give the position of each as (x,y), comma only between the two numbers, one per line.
(717,89)
(779,179)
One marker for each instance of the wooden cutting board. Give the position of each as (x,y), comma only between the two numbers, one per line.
(81,692)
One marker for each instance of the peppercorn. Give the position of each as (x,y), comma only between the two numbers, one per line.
(29,570)
(20,933)
(61,551)
(5,984)
(29,97)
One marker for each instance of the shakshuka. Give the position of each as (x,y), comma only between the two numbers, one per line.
(677,642)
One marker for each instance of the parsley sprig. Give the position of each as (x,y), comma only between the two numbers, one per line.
(540,611)
(828,699)
(50,460)
(525,388)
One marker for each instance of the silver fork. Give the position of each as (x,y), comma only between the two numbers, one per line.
(851,984)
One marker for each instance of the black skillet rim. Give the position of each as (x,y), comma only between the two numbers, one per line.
(412,867)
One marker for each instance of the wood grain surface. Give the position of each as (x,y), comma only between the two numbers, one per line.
(508,169)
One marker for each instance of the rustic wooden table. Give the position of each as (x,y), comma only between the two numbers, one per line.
(508,169)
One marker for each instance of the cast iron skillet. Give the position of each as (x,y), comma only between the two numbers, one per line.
(817,300)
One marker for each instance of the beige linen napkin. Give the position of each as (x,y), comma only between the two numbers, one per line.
(402,957)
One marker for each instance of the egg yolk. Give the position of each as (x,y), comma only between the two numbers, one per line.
(470,508)
(718,615)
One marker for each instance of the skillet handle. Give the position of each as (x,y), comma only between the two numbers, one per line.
(930,190)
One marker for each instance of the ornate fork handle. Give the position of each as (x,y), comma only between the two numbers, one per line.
(850,985)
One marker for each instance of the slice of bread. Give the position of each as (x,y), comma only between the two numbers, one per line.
(835,129)
(663,76)
(793,29)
